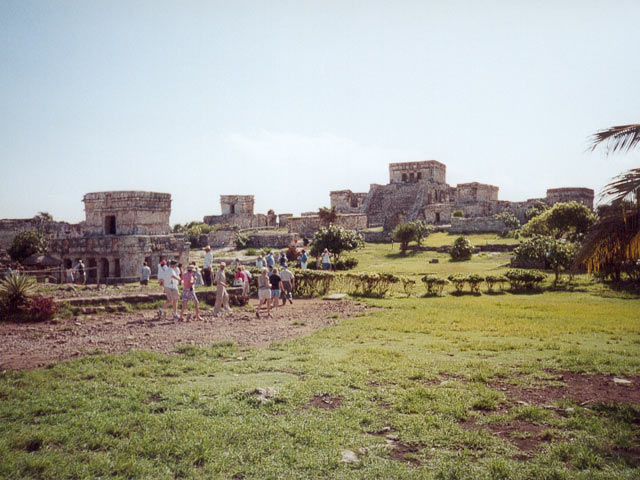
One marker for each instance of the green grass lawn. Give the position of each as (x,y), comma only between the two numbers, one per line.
(442,238)
(418,371)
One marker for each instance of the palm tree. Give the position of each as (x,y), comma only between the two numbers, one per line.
(614,241)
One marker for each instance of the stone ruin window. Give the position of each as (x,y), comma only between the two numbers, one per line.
(354,202)
(232,209)
(404,177)
(419,176)
(110,225)
(412,177)
(437,217)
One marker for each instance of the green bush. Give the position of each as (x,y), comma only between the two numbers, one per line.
(312,283)
(26,243)
(457,213)
(458,280)
(373,285)
(492,280)
(461,250)
(474,280)
(241,241)
(346,264)
(336,239)
(251,252)
(435,285)
(525,279)
(408,285)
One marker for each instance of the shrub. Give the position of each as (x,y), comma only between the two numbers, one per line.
(336,239)
(15,291)
(524,279)
(346,264)
(251,252)
(457,213)
(241,240)
(375,285)
(492,280)
(40,309)
(509,219)
(292,253)
(435,285)
(408,285)
(312,283)
(411,231)
(462,249)
(532,253)
(458,280)
(26,243)
(474,280)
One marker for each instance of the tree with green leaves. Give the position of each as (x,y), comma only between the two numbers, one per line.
(411,232)
(26,243)
(568,220)
(328,215)
(336,239)
(462,249)
(509,220)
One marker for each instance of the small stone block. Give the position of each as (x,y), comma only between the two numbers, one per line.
(335,296)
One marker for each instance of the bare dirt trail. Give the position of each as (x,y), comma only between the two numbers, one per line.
(32,345)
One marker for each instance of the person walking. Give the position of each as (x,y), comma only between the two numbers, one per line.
(171,280)
(270,260)
(303,260)
(188,291)
(282,260)
(68,272)
(79,272)
(326,260)
(206,265)
(222,297)
(145,274)
(264,292)
(288,282)
(274,280)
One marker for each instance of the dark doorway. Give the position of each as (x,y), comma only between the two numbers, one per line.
(404,177)
(116,267)
(419,176)
(105,268)
(412,177)
(110,225)
(437,217)
(92,269)
(232,209)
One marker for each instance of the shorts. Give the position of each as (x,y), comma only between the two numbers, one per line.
(189,295)
(144,282)
(326,266)
(172,294)
(275,293)
(264,294)
(286,286)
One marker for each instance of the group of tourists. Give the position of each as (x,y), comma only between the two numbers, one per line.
(270,260)
(76,273)
(275,282)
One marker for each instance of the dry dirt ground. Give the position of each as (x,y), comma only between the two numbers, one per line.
(28,345)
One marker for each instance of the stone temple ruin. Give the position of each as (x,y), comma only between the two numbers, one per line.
(418,191)
(122,230)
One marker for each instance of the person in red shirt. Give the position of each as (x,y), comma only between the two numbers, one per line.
(188,291)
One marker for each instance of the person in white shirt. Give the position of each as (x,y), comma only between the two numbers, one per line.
(222,297)
(171,280)
(206,265)
(145,274)
(326,260)
(288,282)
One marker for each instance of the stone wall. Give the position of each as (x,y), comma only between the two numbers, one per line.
(283,219)
(307,226)
(476,225)
(241,221)
(119,258)
(236,204)
(416,172)
(474,191)
(127,213)
(221,238)
(582,195)
(376,237)
(271,239)
(346,201)
(9,228)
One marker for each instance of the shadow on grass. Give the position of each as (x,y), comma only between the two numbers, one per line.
(462,294)
(405,254)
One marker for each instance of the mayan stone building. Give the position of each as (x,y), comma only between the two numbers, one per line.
(418,191)
(237,211)
(122,230)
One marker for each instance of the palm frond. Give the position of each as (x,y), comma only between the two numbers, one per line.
(621,137)
(624,187)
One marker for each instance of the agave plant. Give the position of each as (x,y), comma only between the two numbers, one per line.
(15,291)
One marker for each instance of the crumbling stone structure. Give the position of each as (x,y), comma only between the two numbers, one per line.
(418,191)
(237,211)
(9,228)
(307,225)
(122,230)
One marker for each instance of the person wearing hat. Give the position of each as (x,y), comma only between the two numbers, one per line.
(188,291)
(288,282)
(222,297)
(171,280)
(206,265)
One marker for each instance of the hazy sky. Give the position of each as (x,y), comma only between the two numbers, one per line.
(289,100)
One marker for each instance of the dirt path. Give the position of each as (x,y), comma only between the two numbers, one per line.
(27,345)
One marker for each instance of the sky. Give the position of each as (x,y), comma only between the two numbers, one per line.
(288,100)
